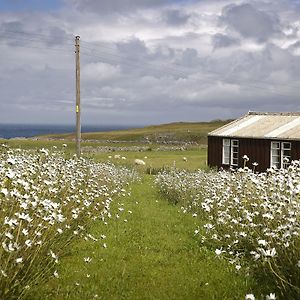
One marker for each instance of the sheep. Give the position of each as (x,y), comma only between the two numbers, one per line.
(184,159)
(118,156)
(139,162)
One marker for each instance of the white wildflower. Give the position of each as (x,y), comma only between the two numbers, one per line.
(87,259)
(55,274)
(272,296)
(19,260)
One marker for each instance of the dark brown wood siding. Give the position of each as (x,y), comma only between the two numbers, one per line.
(214,151)
(296,150)
(258,150)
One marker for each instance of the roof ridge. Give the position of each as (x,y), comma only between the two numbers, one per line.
(252,113)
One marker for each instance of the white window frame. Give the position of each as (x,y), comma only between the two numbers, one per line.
(230,152)
(234,157)
(226,154)
(286,146)
(283,150)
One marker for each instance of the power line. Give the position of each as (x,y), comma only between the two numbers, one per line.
(25,39)
(33,34)
(136,65)
(182,69)
(114,58)
(240,84)
(63,50)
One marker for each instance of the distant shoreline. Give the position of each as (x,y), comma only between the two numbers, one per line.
(21,131)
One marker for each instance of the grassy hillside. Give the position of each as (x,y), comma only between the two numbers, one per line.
(181,131)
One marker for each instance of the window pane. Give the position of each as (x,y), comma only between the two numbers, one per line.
(226,142)
(226,152)
(286,146)
(275,145)
(234,152)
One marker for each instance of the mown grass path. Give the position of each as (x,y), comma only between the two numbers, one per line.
(154,255)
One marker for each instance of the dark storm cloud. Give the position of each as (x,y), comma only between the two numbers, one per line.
(250,22)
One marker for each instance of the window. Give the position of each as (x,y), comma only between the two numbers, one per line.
(286,150)
(234,152)
(230,154)
(275,154)
(280,154)
(226,152)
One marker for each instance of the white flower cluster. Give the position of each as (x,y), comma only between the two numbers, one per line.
(247,217)
(45,201)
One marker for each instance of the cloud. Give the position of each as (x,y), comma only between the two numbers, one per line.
(21,32)
(175,17)
(150,61)
(115,6)
(250,22)
(220,40)
(99,72)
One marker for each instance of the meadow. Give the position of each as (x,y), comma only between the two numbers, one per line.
(251,219)
(103,227)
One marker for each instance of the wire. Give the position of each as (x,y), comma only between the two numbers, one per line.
(121,59)
(241,84)
(43,48)
(30,33)
(25,39)
(181,69)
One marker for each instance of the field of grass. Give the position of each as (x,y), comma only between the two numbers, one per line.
(157,160)
(151,254)
(187,132)
(147,249)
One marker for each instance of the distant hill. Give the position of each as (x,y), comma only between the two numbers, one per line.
(173,132)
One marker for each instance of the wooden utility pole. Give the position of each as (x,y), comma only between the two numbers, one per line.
(78,110)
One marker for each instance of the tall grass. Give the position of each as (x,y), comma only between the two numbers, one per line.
(45,202)
(252,219)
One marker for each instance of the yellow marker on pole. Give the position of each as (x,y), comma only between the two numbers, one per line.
(77,108)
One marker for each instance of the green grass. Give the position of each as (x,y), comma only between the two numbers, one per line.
(152,256)
(196,159)
(196,155)
(181,131)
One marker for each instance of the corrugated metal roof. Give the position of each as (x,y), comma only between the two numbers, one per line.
(263,125)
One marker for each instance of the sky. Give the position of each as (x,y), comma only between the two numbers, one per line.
(148,61)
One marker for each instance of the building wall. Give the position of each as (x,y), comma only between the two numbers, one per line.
(258,150)
(296,150)
(214,151)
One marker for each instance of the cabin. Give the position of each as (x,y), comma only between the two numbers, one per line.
(267,139)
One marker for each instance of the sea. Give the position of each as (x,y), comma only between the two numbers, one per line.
(8,131)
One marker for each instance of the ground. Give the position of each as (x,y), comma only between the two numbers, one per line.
(152,253)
